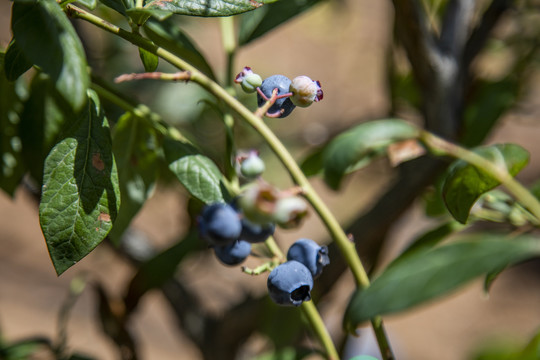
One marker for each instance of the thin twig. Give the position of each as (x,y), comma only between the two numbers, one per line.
(178,76)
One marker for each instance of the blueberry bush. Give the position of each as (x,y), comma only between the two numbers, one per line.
(74,134)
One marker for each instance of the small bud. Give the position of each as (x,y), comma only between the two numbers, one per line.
(248,79)
(305,91)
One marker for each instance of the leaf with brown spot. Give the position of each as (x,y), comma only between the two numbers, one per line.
(97,162)
(80,196)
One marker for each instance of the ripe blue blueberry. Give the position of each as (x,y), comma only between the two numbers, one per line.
(219,224)
(255,233)
(311,254)
(233,254)
(283,105)
(290,284)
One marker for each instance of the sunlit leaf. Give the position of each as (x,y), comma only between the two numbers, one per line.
(465,183)
(350,149)
(199,175)
(204,7)
(80,195)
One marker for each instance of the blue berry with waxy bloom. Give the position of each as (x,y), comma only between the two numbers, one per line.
(311,254)
(305,91)
(255,233)
(233,254)
(248,80)
(251,166)
(283,106)
(290,284)
(219,224)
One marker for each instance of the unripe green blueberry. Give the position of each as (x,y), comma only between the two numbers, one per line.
(305,91)
(252,166)
(248,80)
(251,82)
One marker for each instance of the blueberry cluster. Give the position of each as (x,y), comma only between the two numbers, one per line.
(229,233)
(291,282)
(231,229)
(286,93)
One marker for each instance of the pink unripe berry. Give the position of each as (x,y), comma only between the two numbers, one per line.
(305,91)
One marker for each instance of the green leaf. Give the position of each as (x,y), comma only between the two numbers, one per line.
(204,7)
(89,4)
(12,167)
(432,238)
(532,350)
(199,175)
(26,348)
(80,195)
(465,183)
(357,146)
(268,17)
(425,275)
(121,6)
(46,38)
(135,148)
(168,35)
(511,351)
(149,60)
(16,62)
(313,164)
(141,15)
(42,120)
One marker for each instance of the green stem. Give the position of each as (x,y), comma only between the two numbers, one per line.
(521,193)
(345,245)
(317,324)
(382,339)
(229,46)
